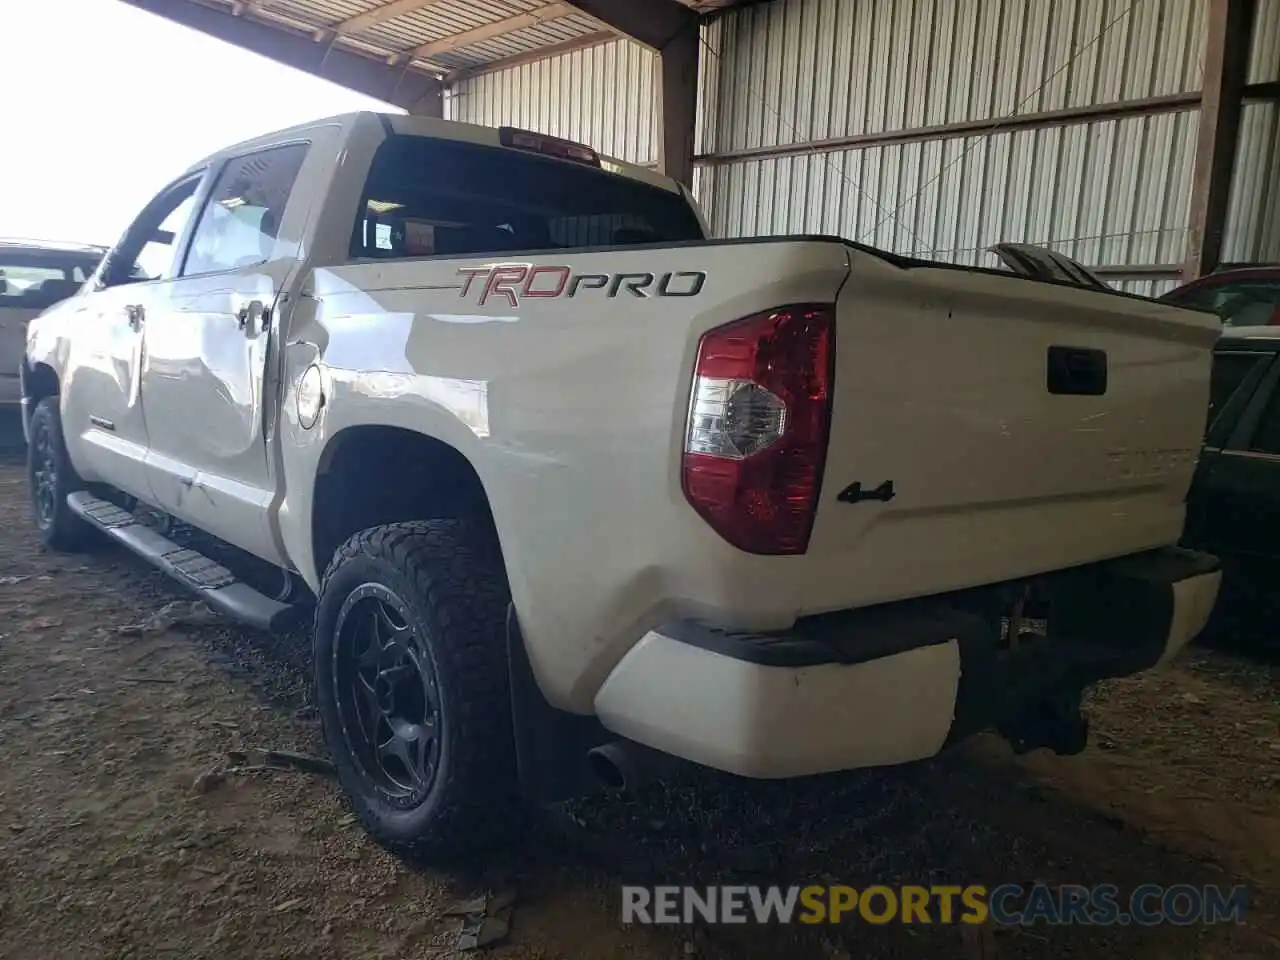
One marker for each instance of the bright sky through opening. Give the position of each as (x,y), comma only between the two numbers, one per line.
(107,103)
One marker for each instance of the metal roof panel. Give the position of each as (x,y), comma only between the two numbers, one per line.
(411,26)
(519,41)
(320,13)
(445,18)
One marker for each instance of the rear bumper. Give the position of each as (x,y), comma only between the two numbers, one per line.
(896,683)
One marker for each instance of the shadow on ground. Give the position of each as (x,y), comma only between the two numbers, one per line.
(971,817)
(958,820)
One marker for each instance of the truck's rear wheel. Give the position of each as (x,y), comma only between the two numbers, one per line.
(411,683)
(50,478)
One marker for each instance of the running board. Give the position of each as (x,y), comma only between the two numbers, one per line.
(215,584)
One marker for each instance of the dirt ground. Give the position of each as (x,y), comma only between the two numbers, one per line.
(109,718)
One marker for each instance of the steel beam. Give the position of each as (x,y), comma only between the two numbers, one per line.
(1043,120)
(651,22)
(1229,28)
(410,89)
(1066,116)
(670,28)
(552,11)
(678,103)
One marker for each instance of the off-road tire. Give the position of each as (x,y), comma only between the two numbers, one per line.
(59,528)
(450,578)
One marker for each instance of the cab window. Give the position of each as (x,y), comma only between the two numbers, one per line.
(240,223)
(1240,303)
(36,279)
(148,250)
(432,197)
(1229,372)
(155,261)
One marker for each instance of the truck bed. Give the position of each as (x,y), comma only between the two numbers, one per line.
(1021,426)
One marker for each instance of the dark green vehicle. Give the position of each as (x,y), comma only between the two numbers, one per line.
(1233,509)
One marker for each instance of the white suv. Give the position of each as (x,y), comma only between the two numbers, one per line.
(34,275)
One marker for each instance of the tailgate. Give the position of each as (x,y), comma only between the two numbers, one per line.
(986,427)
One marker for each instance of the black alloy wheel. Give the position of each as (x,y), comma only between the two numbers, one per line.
(44,474)
(388,696)
(412,686)
(51,478)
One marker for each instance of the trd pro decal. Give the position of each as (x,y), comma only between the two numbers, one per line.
(512,283)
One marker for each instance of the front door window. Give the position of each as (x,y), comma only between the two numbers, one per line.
(239,225)
(149,248)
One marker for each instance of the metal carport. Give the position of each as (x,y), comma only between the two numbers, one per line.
(1139,136)
(409,52)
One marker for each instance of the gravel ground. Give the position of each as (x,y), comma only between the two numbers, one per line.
(116,842)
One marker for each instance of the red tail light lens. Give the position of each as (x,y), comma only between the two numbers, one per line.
(759,416)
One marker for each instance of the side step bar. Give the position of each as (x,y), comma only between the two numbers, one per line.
(215,584)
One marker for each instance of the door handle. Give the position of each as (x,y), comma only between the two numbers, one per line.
(136,315)
(250,314)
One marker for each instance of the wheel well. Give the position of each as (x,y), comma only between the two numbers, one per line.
(374,475)
(40,382)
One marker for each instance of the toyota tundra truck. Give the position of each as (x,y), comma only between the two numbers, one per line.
(569,490)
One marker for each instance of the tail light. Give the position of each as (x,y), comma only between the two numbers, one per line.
(759,416)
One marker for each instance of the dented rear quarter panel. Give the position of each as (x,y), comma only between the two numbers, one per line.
(571,409)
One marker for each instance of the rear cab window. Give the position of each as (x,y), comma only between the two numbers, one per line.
(433,197)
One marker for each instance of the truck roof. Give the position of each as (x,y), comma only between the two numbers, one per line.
(28,244)
(427,127)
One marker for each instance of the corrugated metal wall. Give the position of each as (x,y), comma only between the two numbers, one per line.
(1145,287)
(813,69)
(1105,193)
(1111,192)
(791,72)
(1264,60)
(604,96)
(1253,222)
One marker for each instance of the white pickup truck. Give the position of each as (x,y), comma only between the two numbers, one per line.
(572,488)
